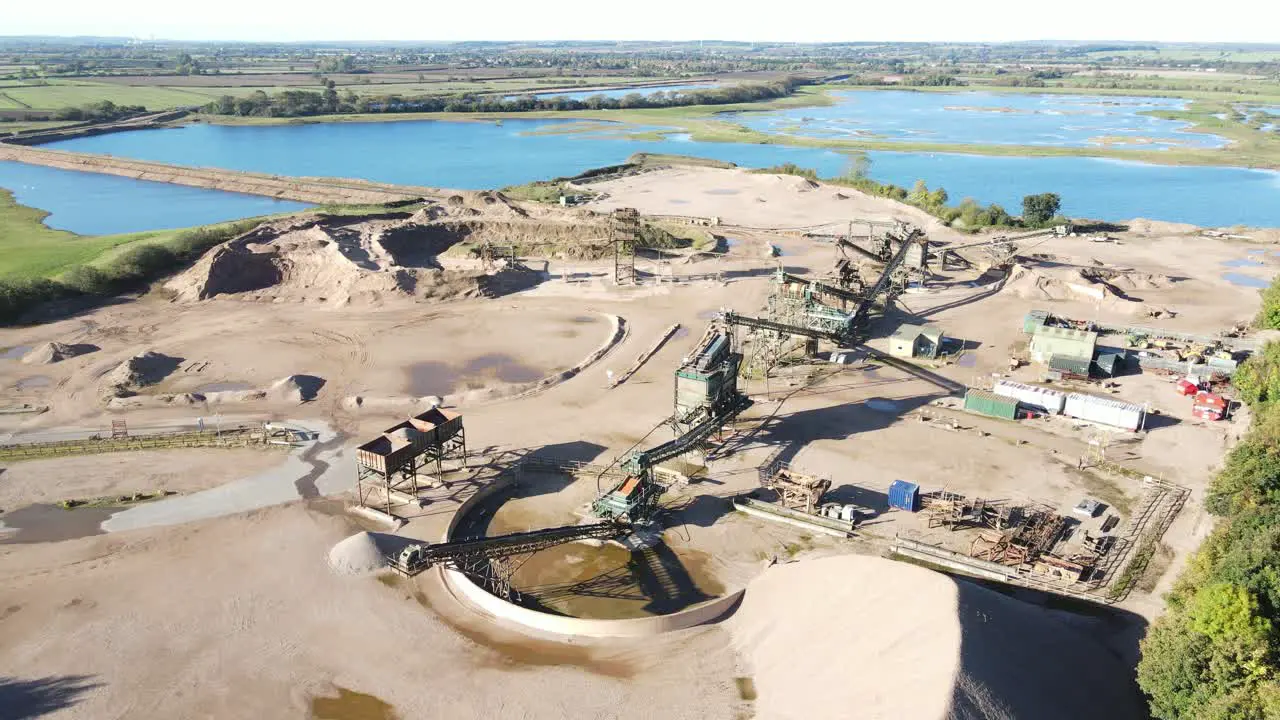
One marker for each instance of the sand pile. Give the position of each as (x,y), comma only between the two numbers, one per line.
(357,555)
(796,183)
(52,352)
(1141,281)
(857,636)
(147,368)
(1034,284)
(296,388)
(337,261)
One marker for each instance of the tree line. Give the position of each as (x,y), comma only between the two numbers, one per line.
(1038,211)
(300,103)
(1215,653)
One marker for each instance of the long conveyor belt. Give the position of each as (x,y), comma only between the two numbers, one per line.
(882,284)
(734,318)
(686,442)
(416,558)
(822,287)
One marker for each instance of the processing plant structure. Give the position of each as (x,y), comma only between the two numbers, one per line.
(706,398)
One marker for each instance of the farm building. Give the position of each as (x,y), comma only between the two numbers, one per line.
(1050,342)
(915,341)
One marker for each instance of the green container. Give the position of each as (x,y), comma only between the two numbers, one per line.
(985,402)
(1033,320)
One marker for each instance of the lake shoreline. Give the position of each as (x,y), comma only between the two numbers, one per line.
(713,123)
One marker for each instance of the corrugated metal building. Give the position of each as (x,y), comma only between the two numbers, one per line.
(1032,396)
(1071,365)
(1105,411)
(1111,361)
(985,402)
(1048,342)
(915,341)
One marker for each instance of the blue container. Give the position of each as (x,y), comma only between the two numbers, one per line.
(904,495)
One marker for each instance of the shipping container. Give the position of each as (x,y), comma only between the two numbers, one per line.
(986,402)
(1038,398)
(1104,411)
(1033,320)
(1209,406)
(904,495)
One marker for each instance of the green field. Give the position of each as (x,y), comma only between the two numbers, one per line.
(53,94)
(74,93)
(29,249)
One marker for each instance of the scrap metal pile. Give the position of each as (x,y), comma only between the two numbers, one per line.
(1029,538)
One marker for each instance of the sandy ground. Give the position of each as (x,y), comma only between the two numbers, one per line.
(91,476)
(263,625)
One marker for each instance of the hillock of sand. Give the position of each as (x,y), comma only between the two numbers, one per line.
(432,253)
(141,370)
(866,637)
(52,352)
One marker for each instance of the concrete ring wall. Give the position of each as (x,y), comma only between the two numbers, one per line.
(472,594)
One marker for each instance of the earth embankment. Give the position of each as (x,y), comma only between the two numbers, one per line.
(321,191)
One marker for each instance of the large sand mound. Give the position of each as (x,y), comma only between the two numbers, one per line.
(356,555)
(857,636)
(339,261)
(147,368)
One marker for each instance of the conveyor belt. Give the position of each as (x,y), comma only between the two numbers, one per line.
(417,558)
(734,318)
(821,286)
(882,284)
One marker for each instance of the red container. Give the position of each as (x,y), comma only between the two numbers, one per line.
(1186,387)
(1209,406)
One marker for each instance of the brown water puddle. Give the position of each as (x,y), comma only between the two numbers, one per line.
(610,582)
(602,581)
(33,382)
(351,705)
(53,523)
(437,378)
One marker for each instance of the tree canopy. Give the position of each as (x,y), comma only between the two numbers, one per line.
(1039,209)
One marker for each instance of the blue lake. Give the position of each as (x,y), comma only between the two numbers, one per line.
(619,92)
(986,118)
(92,204)
(478,155)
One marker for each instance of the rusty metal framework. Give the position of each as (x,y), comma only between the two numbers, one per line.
(389,468)
(1029,542)
(624,234)
(954,511)
(796,490)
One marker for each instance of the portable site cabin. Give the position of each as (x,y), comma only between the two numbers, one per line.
(1105,411)
(911,341)
(1039,398)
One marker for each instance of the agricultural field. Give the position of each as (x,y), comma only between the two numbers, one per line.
(55,94)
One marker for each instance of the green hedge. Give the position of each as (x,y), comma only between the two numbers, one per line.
(1213,654)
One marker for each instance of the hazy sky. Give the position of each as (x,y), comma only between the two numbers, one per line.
(814,20)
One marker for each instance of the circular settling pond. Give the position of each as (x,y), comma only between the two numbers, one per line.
(602,581)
